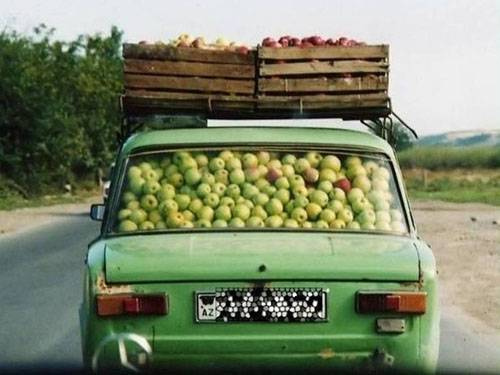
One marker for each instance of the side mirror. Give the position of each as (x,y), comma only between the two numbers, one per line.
(97,212)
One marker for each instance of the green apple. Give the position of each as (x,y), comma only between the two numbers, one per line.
(261,183)
(331,162)
(237,176)
(398,226)
(355,194)
(353,225)
(124,214)
(176,179)
(206,213)
(186,224)
(233,163)
(362,182)
(166,191)
(383,225)
(274,206)
(319,197)
(188,215)
(301,165)
(335,205)
(211,200)
(282,195)
(254,222)
(219,224)
(161,225)
(382,173)
(288,170)
(201,160)
(321,224)
(135,185)
(132,205)
(282,183)
(264,157)
(223,213)
(138,215)
(374,196)
(284,215)
(149,202)
(150,174)
(241,211)
(159,173)
(351,161)
(345,215)
(382,205)
(183,201)
(260,199)
(179,156)
(207,178)
(300,201)
(313,158)
(171,169)
(221,176)
(295,181)
(388,197)
(370,167)
(274,164)
(252,174)
(233,191)
(226,155)
(367,226)
(195,205)
(249,160)
(236,222)
(151,187)
(337,194)
(165,162)
(337,224)
(396,215)
(366,216)
(274,221)
(300,191)
(290,223)
(288,159)
(227,201)
(127,226)
(313,210)
(354,171)
(146,225)
(219,188)
(216,163)
(203,223)
(327,215)
(168,206)
(249,191)
(192,176)
(128,196)
(325,186)
(187,163)
(383,216)
(134,172)
(145,166)
(269,190)
(289,207)
(380,184)
(327,175)
(360,204)
(263,170)
(259,211)
(203,190)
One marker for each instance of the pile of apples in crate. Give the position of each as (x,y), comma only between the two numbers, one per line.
(307,42)
(256,189)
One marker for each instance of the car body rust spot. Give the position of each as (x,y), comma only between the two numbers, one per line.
(104,288)
(327,353)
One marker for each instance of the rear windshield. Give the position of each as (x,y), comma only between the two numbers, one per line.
(258,189)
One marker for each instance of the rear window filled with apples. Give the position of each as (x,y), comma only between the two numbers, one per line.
(237,188)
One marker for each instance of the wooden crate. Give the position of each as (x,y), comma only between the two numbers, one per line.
(323,77)
(185,78)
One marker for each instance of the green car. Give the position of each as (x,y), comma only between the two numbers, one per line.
(258,249)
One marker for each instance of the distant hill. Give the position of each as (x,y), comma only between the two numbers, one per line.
(462,138)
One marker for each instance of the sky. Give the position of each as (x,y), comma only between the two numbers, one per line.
(444,55)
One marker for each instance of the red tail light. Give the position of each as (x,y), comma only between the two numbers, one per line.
(386,302)
(132,304)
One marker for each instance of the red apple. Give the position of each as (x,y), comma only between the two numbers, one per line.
(294,42)
(266,42)
(306,45)
(342,41)
(316,40)
(343,184)
(273,174)
(242,50)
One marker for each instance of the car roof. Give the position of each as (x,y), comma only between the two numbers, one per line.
(255,135)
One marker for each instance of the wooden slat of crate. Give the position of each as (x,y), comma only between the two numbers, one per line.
(163,52)
(322,67)
(327,52)
(143,81)
(322,84)
(323,102)
(183,68)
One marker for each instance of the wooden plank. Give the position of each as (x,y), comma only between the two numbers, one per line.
(324,101)
(323,84)
(141,81)
(146,94)
(322,67)
(164,52)
(326,52)
(183,68)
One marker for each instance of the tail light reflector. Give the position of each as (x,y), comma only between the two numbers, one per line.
(131,304)
(386,302)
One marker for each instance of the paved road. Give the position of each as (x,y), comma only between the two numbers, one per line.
(41,277)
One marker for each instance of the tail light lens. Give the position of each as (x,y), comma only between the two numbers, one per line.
(386,302)
(132,304)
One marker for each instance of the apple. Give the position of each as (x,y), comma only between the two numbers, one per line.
(327,174)
(299,214)
(273,174)
(307,225)
(221,176)
(362,182)
(201,160)
(260,199)
(249,191)
(289,207)
(138,215)
(223,213)
(282,195)
(171,169)
(128,196)
(233,163)
(236,222)
(296,180)
(159,173)
(290,223)
(320,224)
(274,206)
(132,205)
(203,190)
(259,211)
(186,163)
(241,211)
(174,219)
(203,223)
(150,174)
(301,165)
(343,184)
(398,226)
(383,216)
(188,215)
(227,201)
(300,191)
(288,170)
(192,176)
(396,215)
(207,178)
(226,155)
(211,199)
(360,204)
(161,225)
(327,215)
(325,186)
(146,225)
(135,185)
(274,221)
(311,175)
(382,205)
(338,194)
(195,205)
(261,183)
(144,166)
(262,170)
(354,171)
(167,206)
(383,225)
(219,224)
(337,224)
(252,174)
(367,226)
(300,201)
(353,225)
(216,163)
(355,194)
(313,158)
(366,216)
(282,183)
(274,163)
(263,157)
(319,197)
(331,162)
(380,184)
(149,202)
(237,176)
(183,201)
(255,222)
(134,172)
(335,205)
(249,160)
(352,161)
(124,214)
(345,215)
(187,190)
(382,173)
(206,213)
(288,159)
(219,188)
(269,190)
(313,210)
(233,191)
(176,179)
(127,226)
(370,166)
